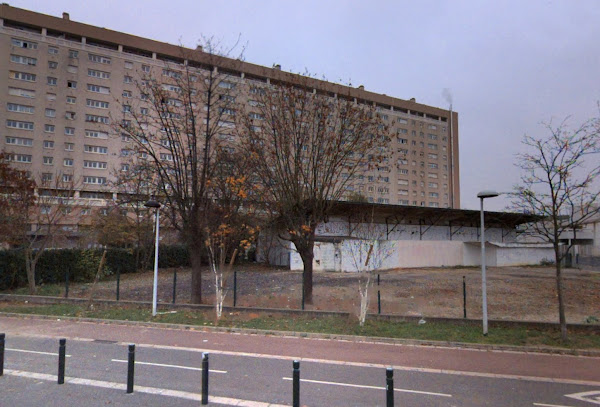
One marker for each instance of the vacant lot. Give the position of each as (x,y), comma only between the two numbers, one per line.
(516,293)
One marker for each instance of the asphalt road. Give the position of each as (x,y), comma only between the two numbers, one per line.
(256,371)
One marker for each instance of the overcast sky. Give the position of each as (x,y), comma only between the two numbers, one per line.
(510,65)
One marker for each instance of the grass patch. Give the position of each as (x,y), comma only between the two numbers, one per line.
(434,331)
(45,290)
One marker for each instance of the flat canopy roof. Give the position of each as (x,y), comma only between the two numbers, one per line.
(431,216)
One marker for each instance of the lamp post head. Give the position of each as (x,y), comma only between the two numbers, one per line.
(152,203)
(487,194)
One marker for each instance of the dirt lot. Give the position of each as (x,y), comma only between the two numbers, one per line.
(516,293)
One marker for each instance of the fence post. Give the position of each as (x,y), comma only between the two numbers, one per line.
(118,282)
(67,284)
(302,290)
(174,285)
(389,387)
(62,344)
(130,368)
(464,298)
(296,384)
(204,378)
(378,296)
(234,288)
(2,340)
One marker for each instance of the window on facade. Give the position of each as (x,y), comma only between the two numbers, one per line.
(49,128)
(23,43)
(98,89)
(16,124)
(50,113)
(73,54)
(128,65)
(95,149)
(14,107)
(68,162)
(22,76)
(51,81)
(48,160)
(96,103)
(30,94)
(48,144)
(69,146)
(99,59)
(20,59)
(52,50)
(19,141)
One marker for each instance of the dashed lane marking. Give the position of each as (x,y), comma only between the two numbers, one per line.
(228,401)
(173,366)
(34,351)
(362,386)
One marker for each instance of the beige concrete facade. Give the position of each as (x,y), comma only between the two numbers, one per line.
(63,82)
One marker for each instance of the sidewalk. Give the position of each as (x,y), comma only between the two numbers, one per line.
(469,362)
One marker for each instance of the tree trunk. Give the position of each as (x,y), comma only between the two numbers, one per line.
(30,263)
(196,260)
(559,291)
(307,256)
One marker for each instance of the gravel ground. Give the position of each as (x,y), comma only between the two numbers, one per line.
(515,293)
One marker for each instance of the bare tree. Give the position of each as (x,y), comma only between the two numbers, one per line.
(367,249)
(134,181)
(184,115)
(306,148)
(559,183)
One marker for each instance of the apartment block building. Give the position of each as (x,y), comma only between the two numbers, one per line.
(63,82)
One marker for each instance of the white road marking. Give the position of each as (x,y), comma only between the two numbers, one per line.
(34,351)
(549,405)
(174,366)
(588,396)
(143,389)
(362,386)
(378,365)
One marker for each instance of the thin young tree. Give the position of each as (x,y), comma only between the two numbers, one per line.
(306,147)
(233,224)
(559,182)
(184,114)
(367,249)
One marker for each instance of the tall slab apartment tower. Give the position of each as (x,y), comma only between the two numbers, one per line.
(62,82)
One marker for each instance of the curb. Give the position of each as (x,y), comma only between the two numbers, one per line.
(350,338)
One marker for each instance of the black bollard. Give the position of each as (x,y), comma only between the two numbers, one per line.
(234,288)
(2,340)
(389,386)
(204,378)
(118,282)
(130,368)
(62,344)
(464,298)
(67,284)
(379,302)
(174,285)
(296,384)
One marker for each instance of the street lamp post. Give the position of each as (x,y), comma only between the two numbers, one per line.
(152,203)
(482,195)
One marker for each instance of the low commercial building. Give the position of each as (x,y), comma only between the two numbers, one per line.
(362,236)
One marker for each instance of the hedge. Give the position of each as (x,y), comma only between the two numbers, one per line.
(82,264)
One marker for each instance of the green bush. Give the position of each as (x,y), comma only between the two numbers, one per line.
(81,264)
